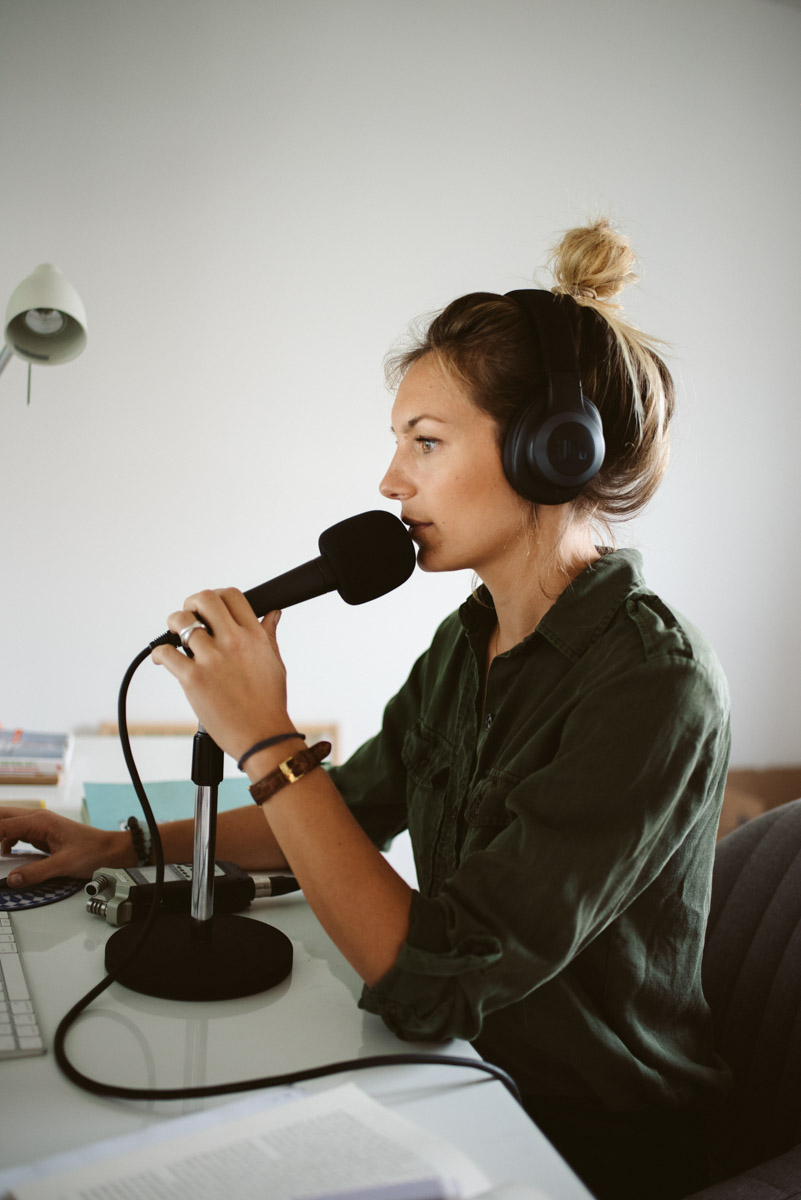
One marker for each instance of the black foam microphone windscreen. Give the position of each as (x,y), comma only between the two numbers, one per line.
(370,554)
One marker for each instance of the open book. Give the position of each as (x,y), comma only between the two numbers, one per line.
(337,1143)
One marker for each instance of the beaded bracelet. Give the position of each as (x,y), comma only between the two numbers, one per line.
(271,741)
(142,842)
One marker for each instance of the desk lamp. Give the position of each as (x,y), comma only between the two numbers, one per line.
(45,321)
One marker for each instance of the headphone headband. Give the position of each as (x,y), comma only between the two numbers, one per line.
(558,350)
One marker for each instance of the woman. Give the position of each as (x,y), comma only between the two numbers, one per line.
(558,755)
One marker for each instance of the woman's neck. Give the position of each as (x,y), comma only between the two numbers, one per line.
(526,583)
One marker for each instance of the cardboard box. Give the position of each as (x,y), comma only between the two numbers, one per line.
(751,791)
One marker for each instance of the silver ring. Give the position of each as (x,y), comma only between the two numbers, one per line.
(187,631)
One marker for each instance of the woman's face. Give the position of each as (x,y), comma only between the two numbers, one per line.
(447,475)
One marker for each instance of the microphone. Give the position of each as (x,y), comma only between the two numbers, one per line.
(212,956)
(362,557)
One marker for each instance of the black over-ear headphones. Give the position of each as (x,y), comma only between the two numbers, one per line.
(555,443)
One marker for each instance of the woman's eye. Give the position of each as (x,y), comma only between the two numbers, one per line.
(426,444)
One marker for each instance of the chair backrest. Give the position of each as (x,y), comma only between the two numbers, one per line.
(752,980)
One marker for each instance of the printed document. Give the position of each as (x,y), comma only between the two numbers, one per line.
(336,1143)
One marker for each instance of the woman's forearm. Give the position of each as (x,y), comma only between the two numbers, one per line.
(243,837)
(362,903)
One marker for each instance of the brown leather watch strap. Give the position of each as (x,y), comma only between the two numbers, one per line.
(290,771)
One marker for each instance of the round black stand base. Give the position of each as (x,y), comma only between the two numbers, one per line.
(240,957)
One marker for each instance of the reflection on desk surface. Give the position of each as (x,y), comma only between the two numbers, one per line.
(229,1040)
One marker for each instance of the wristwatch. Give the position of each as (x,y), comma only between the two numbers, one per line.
(290,771)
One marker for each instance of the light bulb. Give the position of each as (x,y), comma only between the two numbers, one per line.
(46,321)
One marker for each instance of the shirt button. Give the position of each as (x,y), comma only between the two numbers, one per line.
(488,720)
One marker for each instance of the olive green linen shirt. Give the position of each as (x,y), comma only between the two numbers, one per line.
(563,834)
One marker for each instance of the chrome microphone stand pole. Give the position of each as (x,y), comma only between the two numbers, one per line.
(207,774)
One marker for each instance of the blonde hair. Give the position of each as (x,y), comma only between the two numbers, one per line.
(484,341)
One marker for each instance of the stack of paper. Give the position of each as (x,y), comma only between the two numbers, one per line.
(337,1143)
(27,757)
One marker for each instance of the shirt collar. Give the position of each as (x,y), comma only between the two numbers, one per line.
(580,614)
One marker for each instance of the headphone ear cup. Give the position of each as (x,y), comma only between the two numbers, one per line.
(515,454)
(550,460)
(555,443)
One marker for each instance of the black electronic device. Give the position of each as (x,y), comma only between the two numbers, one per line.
(120,895)
(554,444)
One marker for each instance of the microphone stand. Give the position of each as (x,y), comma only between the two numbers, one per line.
(208,770)
(201,956)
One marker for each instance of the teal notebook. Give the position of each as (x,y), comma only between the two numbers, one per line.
(109,805)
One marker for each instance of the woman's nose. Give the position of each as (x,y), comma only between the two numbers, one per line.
(394,485)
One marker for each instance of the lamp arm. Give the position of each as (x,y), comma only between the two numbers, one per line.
(5,354)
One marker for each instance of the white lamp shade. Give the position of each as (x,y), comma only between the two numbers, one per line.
(45,318)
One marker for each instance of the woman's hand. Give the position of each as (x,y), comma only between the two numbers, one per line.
(75,850)
(235,679)
(236,683)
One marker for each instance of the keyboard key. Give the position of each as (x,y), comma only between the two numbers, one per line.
(31,1043)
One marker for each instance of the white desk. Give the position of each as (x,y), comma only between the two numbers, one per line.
(311,1018)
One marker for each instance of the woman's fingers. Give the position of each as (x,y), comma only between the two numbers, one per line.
(75,849)
(213,614)
(234,680)
(188,625)
(238,607)
(193,624)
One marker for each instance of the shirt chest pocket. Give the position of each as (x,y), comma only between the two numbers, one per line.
(486,805)
(427,758)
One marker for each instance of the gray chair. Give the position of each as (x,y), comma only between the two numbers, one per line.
(752,979)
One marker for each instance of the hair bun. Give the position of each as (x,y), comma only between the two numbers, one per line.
(593,263)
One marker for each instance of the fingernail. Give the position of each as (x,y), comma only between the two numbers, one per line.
(14,880)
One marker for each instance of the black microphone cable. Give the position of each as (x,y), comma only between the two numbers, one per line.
(200,1091)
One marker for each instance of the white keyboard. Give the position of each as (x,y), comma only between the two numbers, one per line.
(19,1028)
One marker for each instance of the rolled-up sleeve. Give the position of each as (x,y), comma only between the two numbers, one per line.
(419,997)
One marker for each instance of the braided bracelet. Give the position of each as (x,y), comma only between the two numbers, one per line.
(271,741)
(142,842)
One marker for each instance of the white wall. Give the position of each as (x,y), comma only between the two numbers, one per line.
(254,198)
